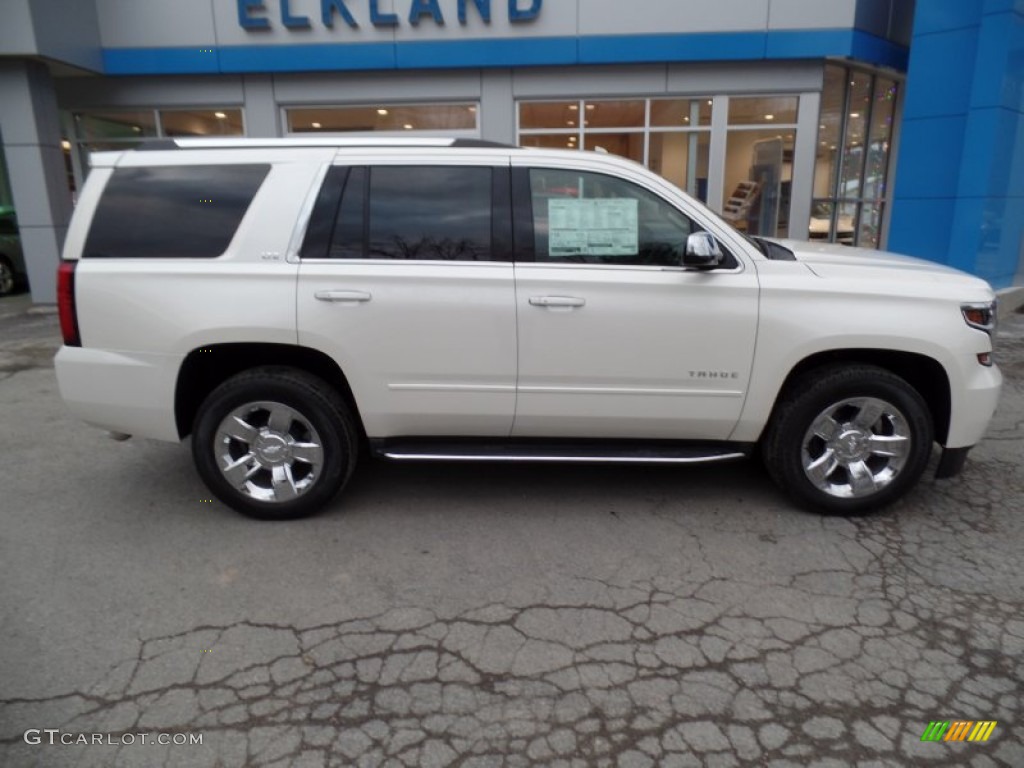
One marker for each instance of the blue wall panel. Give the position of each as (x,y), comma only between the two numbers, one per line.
(946,58)
(510,52)
(935,217)
(943,15)
(966,70)
(930,157)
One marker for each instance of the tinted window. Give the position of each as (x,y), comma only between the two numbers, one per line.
(591,218)
(176,212)
(321,221)
(349,237)
(430,213)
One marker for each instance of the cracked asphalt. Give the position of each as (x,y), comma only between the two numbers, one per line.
(496,616)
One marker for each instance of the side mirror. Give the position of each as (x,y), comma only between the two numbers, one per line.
(702,251)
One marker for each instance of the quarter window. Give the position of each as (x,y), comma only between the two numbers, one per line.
(172,212)
(591,218)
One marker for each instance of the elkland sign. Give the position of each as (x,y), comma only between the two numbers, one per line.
(254,15)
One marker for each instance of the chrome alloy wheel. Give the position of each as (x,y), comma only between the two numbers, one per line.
(856,447)
(269,451)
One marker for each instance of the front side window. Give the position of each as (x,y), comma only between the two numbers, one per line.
(172,212)
(592,218)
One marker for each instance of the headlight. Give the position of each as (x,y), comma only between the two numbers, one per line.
(981,316)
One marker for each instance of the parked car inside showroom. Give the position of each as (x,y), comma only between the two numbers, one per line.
(12,259)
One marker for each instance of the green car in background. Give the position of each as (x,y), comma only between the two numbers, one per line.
(12,260)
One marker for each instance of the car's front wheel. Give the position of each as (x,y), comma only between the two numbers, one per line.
(274,443)
(848,439)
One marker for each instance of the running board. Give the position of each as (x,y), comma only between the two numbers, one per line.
(543,451)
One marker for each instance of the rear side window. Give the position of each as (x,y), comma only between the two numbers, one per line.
(425,213)
(172,212)
(430,213)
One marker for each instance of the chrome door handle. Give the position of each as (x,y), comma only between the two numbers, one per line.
(343,296)
(557,301)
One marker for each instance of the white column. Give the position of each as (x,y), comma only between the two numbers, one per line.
(804,157)
(716,163)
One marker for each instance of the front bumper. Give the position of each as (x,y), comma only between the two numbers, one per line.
(974,404)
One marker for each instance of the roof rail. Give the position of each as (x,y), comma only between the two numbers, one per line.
(326,141)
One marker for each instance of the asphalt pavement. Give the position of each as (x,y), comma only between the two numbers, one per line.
(495,616)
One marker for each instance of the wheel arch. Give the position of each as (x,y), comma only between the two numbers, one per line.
(925,374)
(205,368)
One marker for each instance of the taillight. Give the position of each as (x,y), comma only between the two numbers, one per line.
(66,303)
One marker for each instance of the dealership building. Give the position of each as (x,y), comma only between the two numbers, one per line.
(864,122)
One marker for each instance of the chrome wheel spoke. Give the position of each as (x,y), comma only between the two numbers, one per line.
(870,412)
(284,483)
(823,466)
(281,419)
(238,429)
(862,479)
(310,453)
(238,472)
(825,427)
(889,445)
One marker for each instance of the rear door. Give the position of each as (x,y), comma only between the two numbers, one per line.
(616,340)
(406,281)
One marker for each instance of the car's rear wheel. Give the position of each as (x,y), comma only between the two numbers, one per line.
(7,276)
(848,439)
(274,443)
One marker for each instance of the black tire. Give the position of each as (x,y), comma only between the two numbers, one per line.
(321,418)
(788,442)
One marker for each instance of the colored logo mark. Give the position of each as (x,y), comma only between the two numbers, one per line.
(958,730)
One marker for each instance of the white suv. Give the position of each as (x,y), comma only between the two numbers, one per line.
(294,304)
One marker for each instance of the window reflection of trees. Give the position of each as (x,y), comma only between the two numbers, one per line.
(430,213)
(429,249)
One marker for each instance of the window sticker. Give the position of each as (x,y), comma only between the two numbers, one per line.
(604,227)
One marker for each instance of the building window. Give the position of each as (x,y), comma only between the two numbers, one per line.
(113,130)
(851,172)
(759,164)
(672,137)
(201,122)
(447,119)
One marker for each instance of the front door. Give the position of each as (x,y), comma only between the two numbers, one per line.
(615,339)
